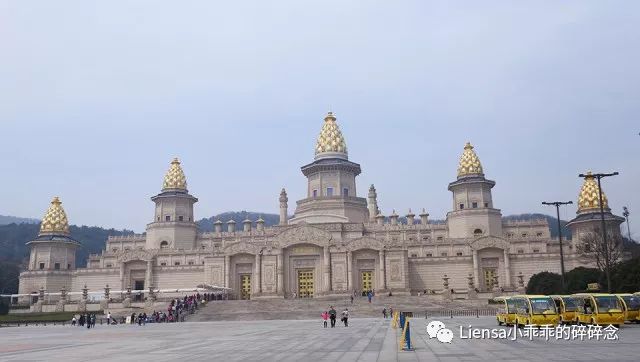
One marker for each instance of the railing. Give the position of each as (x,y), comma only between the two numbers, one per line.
(450,313)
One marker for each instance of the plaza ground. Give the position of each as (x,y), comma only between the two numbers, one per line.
(366,339)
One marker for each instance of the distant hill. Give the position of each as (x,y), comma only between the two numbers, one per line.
(4,220)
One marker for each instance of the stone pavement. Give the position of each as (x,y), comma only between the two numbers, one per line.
(367,339)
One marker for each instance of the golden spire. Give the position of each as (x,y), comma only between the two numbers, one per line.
(55,220)
(589,197)
(175,179)
(330,139)
(469,162)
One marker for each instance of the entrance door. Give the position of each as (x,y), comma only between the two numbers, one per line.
(245,286)
(367,283)
(138,285)
(305,283)
(489,278)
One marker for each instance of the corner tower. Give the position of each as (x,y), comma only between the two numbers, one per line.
(53,248)
(473,213)
(174,225)
(588,218)
(331,185)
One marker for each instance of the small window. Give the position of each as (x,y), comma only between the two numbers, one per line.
(167,218)
(443,254)
(536,250)
(486,204)
(461,206)
(410,238)
(69,266)
(394,239)
(329,191)
(524,235)
(539,235)
(56,266)
(109,265)
(176,263)
(191,262)
(127,249)
(459,253)
(429,254)
(477,232)
(41,266)
(180,218)
(114,250)
(164,244)
(203,262)
(158,218)
(414,255)
(439,238)
(474,205)
(520,251)
(163,263)
(345,192)
(315,193)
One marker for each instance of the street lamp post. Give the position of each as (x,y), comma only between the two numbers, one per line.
(625,213)
(603,230)
(557,204)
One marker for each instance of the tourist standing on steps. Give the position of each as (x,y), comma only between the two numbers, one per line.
(325,316)
(345,317)
(332,316)
(369,296)
(352,299)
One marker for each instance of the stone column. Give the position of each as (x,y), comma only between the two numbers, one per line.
(122,271)
(507,269)
(148,279)
(227,271)
(280,271)
(350,271)
(327,270)
(258,269)
(283,207)
(476,278)
(383,274)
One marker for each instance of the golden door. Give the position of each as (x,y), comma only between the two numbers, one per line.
(367,281)
(245,286)
(305,283)
(489,278)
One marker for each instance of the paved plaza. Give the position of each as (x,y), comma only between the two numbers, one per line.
(366,339)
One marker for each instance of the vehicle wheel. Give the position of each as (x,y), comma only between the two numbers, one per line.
(499,323)
(593,321)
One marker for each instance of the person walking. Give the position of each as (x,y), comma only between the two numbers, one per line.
(384,313)
(332,316)
(352,299)
(369,296)
(108,318)
(325,316)
(345,317)
(73,321)
(87,320)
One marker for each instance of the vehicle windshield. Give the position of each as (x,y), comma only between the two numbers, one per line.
(570,304)
(541,305)
(606,303)
(632,302)
(511,306)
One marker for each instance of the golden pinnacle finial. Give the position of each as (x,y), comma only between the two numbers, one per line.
(175,178)
(330,141)
(469,162)
(589,197)
(55,219)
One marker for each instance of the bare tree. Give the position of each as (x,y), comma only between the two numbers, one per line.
(606,255)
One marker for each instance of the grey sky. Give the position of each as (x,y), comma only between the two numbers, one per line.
(96,97)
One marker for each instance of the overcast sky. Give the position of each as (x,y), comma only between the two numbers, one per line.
(97,97)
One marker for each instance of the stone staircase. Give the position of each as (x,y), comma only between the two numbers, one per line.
(268,309)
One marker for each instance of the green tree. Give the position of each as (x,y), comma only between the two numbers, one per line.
(545,283)
(625,277)
(578,278)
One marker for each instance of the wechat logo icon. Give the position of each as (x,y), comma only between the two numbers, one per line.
(436,329)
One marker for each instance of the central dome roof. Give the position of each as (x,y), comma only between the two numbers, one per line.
(589,197)
(175,178)
(330,142)
(55,220)
(469,162)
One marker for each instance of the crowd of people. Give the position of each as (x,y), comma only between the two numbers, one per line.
(332,314)
(88,320)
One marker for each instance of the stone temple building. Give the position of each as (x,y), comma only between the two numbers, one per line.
(336,242)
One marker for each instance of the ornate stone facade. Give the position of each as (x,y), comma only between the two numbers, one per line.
(335,243)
